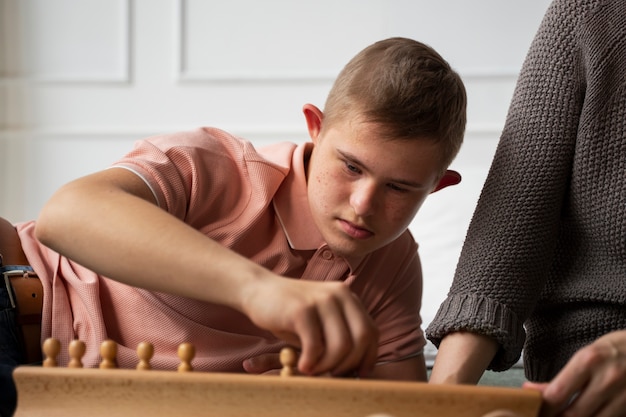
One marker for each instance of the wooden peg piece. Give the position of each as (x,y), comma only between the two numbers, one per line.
(288,359)
(186,352)
(145,351)
(51,348)
(108,351)
(77,351)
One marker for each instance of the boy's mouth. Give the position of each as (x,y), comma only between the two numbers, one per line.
(355,231)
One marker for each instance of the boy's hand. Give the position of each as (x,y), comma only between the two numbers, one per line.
(267,363)
(502,413)
(595,375)
(324,319)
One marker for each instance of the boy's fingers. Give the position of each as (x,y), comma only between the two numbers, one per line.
(338,339)
(363,335)
(370,357)
(312,343)
(262,363)
(351,338)
(330,326)
(502,413)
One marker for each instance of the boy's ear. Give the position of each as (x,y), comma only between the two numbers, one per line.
(314,118)
(450,177)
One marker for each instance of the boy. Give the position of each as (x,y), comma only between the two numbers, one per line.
(204,239)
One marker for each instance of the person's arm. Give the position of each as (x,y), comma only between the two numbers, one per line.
(108,222)
(509,250)
(462,358)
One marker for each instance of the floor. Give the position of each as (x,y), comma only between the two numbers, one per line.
(513,377)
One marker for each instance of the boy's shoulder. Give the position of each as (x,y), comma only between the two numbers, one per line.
(209,138)
(212,142)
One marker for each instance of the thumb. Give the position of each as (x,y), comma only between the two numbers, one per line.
(539,386)
(261,363)
(501,413)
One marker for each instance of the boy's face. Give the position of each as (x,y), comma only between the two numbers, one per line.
(363,190)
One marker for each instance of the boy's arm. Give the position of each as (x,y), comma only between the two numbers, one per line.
(109,222)
(462,358)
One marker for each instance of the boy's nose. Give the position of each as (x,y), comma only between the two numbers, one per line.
(363,199)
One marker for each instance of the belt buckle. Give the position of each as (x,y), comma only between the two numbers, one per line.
(10,271)
(7,283)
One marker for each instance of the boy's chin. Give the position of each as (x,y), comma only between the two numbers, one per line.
(351,250)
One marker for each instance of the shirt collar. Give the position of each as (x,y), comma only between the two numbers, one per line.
(292,204)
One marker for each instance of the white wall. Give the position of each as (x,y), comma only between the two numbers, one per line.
(80,80)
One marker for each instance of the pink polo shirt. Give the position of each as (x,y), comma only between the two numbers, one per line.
(254,202)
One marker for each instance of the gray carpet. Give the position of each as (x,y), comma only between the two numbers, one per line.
(513,377)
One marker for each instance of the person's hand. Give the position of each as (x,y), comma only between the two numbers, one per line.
(267,363)
(501,413)
(324,319)
(592,383)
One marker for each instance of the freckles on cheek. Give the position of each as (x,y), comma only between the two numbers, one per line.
(316,188)
(401,216)
(325,184)
(396,217)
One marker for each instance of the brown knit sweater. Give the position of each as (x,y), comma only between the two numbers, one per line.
(543,266)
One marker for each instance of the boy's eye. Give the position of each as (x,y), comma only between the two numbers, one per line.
(397,188)
(352,168)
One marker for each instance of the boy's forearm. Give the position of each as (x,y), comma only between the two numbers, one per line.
(122,236)
(462,358)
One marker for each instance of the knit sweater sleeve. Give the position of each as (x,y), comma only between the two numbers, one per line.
(512,235)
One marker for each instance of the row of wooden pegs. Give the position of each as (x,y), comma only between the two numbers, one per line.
(145,350)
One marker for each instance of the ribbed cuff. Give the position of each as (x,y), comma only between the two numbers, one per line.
(469,312)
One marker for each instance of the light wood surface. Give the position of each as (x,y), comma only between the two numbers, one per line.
(52,392)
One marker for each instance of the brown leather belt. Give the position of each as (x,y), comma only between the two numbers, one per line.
(26,295)
(25,292)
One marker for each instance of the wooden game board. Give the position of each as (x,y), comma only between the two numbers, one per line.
(59,391)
